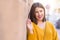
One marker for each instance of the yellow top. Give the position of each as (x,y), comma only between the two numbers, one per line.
(49,33)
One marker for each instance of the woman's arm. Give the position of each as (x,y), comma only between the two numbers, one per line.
(55,35)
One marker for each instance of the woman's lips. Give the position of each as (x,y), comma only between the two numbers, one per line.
(39,16)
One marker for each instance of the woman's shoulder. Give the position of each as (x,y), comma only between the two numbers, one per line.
(51,25)
(33,24)
(48,22)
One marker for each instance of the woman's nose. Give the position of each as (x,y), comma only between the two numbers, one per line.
(39,13)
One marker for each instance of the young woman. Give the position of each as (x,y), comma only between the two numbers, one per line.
(37,26)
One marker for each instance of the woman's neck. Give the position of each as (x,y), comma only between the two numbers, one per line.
(39,22)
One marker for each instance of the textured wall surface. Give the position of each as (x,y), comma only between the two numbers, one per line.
(13,15)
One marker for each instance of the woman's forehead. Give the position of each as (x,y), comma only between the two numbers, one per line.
(38,8)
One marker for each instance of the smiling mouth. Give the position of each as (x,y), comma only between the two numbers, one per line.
(39,16)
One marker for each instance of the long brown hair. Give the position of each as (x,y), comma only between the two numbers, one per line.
(31,15)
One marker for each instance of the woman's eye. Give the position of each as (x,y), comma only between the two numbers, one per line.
(36,12)
(40,10)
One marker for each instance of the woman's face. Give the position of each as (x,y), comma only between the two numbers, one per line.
(39,13)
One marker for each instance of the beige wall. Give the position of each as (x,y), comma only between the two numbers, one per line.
(13,15)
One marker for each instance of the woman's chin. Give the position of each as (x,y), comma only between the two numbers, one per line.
(40,20)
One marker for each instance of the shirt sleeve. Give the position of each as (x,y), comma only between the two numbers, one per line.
(55,35)
(31,36)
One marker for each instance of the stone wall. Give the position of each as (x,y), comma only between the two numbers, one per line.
(13,15)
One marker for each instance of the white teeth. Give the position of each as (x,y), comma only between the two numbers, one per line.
(39,16)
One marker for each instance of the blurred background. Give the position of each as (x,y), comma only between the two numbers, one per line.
(13,15)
